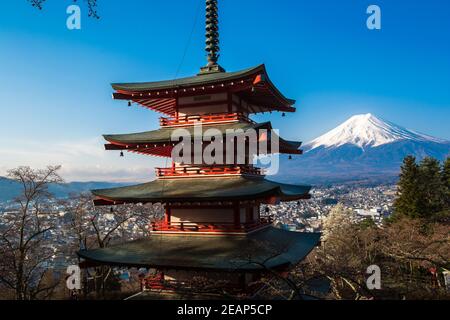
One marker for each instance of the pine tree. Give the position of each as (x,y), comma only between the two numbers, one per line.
(430,187)
(445,174)
(407,189)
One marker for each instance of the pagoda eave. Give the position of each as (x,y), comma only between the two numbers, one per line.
(253,85)
(102,201)
(202,189)
(166,151)
(254,252)
(158,142)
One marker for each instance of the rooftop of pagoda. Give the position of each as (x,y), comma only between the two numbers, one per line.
(219,253)
(251,85)
(206,189)
(158,142)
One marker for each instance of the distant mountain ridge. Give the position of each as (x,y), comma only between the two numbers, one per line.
(9,189)
(364,148)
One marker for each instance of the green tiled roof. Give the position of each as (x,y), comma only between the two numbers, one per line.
(188,81)
(231,253)
(203,189)
(164,134)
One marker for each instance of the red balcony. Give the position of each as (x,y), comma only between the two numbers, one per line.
(210,227)
(158,284)
(190,120)
(186,171)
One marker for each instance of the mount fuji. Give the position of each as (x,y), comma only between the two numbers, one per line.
(364,148)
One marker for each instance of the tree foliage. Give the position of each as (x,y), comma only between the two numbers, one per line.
(98,227)
(422,188)
(406,202)
(37,3)
(24,235)
(406,250)
(338,219)
(446,182)
(91,5)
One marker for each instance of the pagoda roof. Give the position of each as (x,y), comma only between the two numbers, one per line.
(200,79)
(163,136)
(270,246)
(252,84)
(201,189)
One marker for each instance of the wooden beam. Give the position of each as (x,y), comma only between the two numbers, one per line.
(111,146)
(202,104)
(179,92)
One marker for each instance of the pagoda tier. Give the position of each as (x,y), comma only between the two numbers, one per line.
(207,205)
(234,254)
(201,190)
(248,91)
(158,142)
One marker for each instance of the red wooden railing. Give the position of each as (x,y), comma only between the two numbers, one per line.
(208,171)
(205,119)
(159,284)
(189,226)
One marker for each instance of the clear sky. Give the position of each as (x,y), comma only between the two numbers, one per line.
(55,97)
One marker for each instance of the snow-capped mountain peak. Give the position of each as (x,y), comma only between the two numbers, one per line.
(366,130)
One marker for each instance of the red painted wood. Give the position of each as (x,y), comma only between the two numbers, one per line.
(211,227)
(167,215)
(190,120)
(208,170)
(202,104)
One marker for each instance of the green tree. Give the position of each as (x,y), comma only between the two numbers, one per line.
(367,223)
(430,197)
(446,183)
(407,189)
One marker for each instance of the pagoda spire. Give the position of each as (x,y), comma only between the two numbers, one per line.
(212,38)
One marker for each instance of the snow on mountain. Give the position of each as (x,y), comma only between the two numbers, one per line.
(366,130)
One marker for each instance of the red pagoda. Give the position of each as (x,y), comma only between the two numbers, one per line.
(213,225)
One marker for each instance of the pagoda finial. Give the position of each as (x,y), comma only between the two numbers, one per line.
(212,38)
(212,32)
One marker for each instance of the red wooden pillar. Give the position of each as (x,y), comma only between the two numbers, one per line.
(167,214)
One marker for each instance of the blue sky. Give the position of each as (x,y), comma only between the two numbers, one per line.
(55,98)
